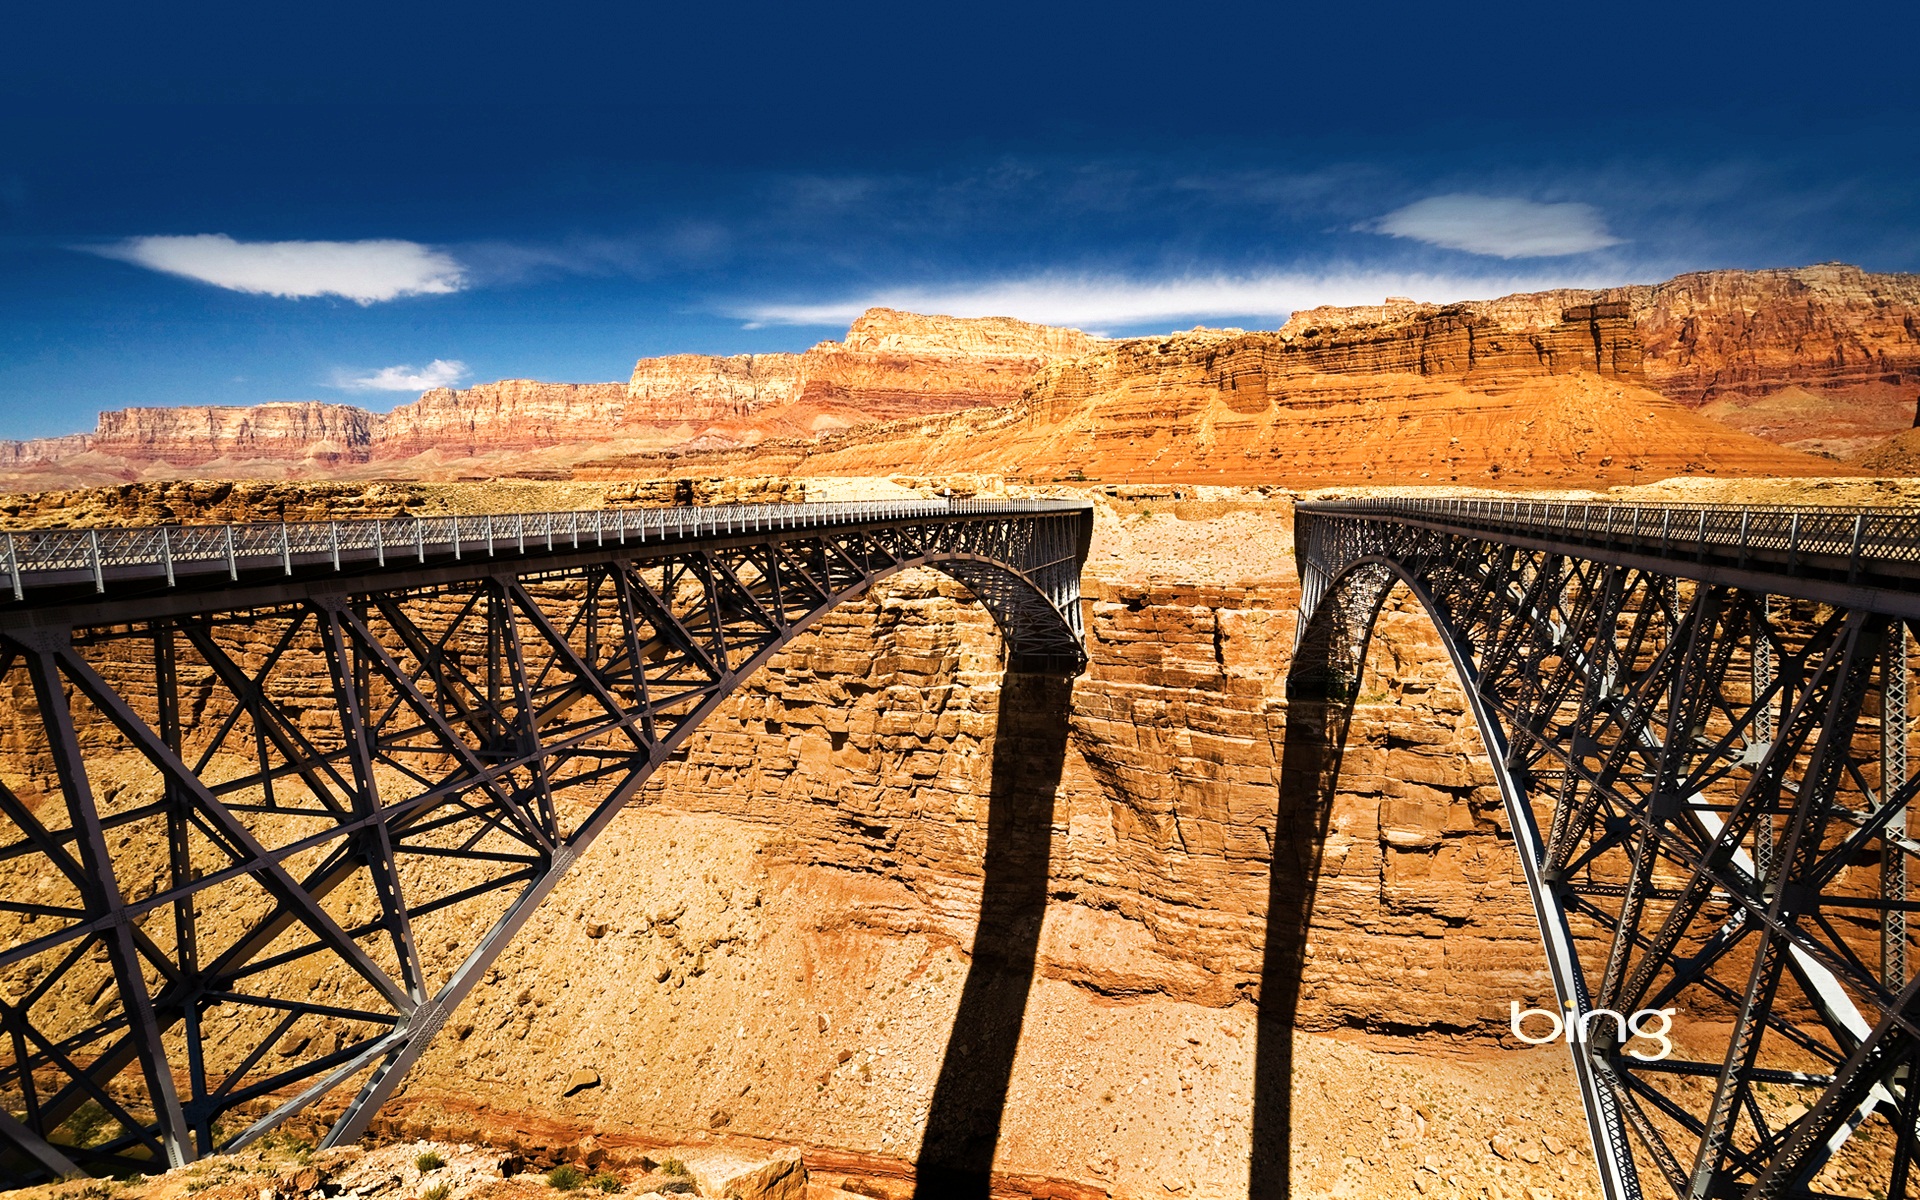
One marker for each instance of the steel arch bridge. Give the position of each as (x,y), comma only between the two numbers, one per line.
(274,797)
(1699,723)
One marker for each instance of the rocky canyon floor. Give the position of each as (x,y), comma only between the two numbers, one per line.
(893,906)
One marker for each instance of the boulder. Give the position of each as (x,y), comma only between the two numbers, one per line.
(734,1175)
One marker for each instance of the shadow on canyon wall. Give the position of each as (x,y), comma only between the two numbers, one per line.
(1316,738)
(970,1097)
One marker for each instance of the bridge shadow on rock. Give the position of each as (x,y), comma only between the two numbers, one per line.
(1316,737)
(970,1097)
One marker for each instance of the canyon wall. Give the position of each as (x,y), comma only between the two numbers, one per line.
(33,451)
(801,928)
(896,364)
(1822,359)
(325,433)
(892,365)
(779,941)
(1461,341)
(1832,327)
(701,387)
(510,414)
(1421,397)
(1707,334)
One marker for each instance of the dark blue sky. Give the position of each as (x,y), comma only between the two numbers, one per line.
(259,202)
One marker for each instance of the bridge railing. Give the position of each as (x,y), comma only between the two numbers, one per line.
(1793,533)
(58,555)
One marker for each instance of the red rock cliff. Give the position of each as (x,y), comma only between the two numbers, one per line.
(1414,394)
(701,387)
(511,414)
(1823,358)
(193,435)
(1701,336)
(893,364)
(1715,333)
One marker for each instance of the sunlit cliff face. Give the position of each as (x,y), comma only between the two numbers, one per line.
(1568,387)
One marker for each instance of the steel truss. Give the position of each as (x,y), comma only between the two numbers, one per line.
(259,838)
(1703,747)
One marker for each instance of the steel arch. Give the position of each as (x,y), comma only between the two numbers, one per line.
(271,802)
(1704,762)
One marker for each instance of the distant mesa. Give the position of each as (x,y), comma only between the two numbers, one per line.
(1822,359)
(891,365)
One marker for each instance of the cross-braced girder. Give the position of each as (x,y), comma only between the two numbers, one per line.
(263,825)
(1698,721)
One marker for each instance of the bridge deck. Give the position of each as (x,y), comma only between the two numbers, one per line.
(1858,557)
(59,565)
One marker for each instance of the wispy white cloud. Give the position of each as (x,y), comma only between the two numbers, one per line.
(1501,226)
(364,272)
(441,372)
(1103,302)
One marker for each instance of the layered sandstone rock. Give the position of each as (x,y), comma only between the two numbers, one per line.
(1707,334)
(42,450)
(1830,328)
(510,414)
(700,387)
(1443,398)
(191,436)
(890,331)
(1823,358)
(778,941)
(1479,345)
(893,364)
(1559,387)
